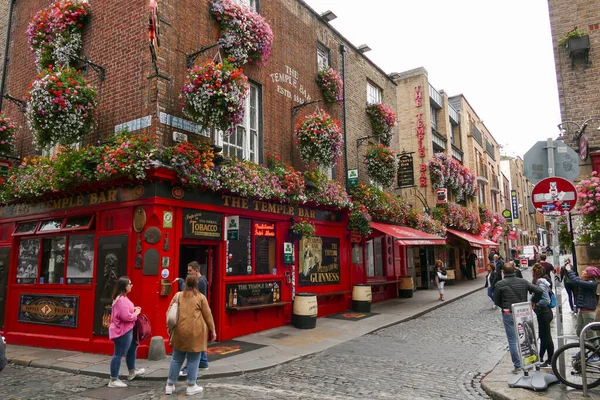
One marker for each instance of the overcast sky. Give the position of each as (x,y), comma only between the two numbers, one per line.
(497,53)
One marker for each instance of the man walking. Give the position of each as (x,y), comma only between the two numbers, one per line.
(471,268)
(547,266)
(193,268)
(507,292)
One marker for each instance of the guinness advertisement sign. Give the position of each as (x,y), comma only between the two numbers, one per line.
(202,224)
(406,171)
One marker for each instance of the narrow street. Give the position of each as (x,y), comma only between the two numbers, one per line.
(442,354)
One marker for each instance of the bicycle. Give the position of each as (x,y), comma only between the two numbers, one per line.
(570,353)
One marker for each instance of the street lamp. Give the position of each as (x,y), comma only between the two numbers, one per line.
(580,128)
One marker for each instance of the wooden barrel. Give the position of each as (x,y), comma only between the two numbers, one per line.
(361,298)
(304,313)
(406,287)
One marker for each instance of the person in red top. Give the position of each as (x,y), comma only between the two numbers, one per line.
(547,266)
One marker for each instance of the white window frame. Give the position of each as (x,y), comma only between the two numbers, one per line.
(249,129)
(434,123)
(323,56)
(374,94)
(253,4)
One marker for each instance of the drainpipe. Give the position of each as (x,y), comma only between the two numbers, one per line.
(343,53)
(4,67)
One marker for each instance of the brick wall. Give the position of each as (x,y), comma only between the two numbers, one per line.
(578,85)
(4,7)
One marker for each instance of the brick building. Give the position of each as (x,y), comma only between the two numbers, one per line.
(578,74)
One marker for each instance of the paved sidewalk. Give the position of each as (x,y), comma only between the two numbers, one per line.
(281,345)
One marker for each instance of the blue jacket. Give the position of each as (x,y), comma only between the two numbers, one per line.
(586,291)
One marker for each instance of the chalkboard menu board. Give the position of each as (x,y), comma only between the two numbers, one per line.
(252,294)
(202,224)
(406,173)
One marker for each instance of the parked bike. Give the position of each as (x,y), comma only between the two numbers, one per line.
(570,353)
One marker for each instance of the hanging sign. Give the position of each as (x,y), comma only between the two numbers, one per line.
(526,339)
(486,227)
(515,206)
(406,171)
(497,233)
(512,235)
(507,216)
(353,177)
(167,219)
(441,196)
(288,253)
(554,196)
(232,225)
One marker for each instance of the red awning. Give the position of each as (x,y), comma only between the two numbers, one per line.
(408,236)
(474,240)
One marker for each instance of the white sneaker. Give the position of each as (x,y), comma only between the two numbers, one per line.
(136,372)
(117,384)
(169,389)
(192,390)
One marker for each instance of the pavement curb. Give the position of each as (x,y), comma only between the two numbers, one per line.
(206,375)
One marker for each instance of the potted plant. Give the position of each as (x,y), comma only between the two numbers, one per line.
(383,120)
(246,37)
(60,107)
(331,84)
(215,95)
(7,133)
(320,139)
(588,229)
(577,41)
(302,228)
(381,164)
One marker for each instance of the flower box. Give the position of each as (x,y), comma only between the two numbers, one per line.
(578,45)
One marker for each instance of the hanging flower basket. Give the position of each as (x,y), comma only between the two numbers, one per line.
(320,139)
(60,107)
(215,95)
(331,84)
(190,160)
(129,156)
(359,220)
(383,120)
(245,35)
(7,133)
(381,164)
(55,33)
(303,228)
(446,172)
(588,203)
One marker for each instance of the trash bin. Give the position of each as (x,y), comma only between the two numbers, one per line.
(406,287)
(361,298)
(304,311)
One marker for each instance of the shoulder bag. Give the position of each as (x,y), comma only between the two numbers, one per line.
(173,314)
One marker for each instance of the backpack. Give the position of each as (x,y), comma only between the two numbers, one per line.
(143,329)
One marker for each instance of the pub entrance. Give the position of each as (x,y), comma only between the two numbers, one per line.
(4,263)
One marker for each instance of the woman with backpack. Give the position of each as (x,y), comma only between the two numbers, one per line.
(440,278)
(569,287)
(544,314)
(122,320)
(190,335)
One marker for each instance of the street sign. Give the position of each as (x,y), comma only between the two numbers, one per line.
(507,214)
(554,196)
(353,177)
(535,162)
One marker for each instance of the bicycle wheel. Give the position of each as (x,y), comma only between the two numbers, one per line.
(572,376)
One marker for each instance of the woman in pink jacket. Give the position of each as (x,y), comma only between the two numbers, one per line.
(122,320)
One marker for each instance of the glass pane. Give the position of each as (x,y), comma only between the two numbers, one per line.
(50,225)
(53,260)
(26,227)
(29,251)
(357,254)
(240,153)
(81,259)
(239,252)
(264,248)
(378,247)
(240,136)
(77,222)
(370,259)
(252,140)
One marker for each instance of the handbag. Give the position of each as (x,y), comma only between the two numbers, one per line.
(173,314)
(552,300)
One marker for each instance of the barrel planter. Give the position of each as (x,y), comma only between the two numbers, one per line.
(406,287)
(587,256)
(361,298)
(304,313)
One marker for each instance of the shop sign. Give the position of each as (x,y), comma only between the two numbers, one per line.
(507,214)
(167,219)
(355,237)
(353,177)
(264,230)
(47,309)
(202,224)
(527,342)
(251,294)
(420,137)
(497,233)
(288,253)
(515,206)
(319,261)
(486,227)
(233,227)
(406,171)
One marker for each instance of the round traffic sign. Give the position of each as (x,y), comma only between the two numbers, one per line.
(554,196)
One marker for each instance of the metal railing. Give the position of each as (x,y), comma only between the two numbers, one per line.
(435,96)
(476,134)
(453,114)
(582,354)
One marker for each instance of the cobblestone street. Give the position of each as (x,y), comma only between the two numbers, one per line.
(442,354)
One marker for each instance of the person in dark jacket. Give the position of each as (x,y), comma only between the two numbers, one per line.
(569,287)
(507,292)
(499,263)
(586,298)
(490,279)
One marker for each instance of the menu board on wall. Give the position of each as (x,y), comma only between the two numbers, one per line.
(252,294)
(319,261)
(199,224)
(111,263)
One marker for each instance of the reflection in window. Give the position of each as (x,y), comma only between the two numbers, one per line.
(27,270)
(78,222)
(80,259)
(264,247)
(357,253)
(26,227)
(370,259)
(378,247)
(50,225)
(53,260)
(239,252)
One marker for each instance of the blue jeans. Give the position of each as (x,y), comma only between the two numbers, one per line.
(124,346)
(203,362)
(193,359)
(509,327)
(490,293)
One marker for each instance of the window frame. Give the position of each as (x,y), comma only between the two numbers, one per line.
(326,52)
(371,87)
(31,232)
(254,275)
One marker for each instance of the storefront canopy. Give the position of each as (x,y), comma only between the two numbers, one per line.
(474,240)
(408,236)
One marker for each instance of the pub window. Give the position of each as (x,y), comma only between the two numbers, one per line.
(79,222)
(378,249)
(53,260)
(264,247)
(50,225)
(80,259)
(374,94)
(239,252)
(357,253)
(253,4)
(27,270)
(322,56)
(25,228)
(370,259)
